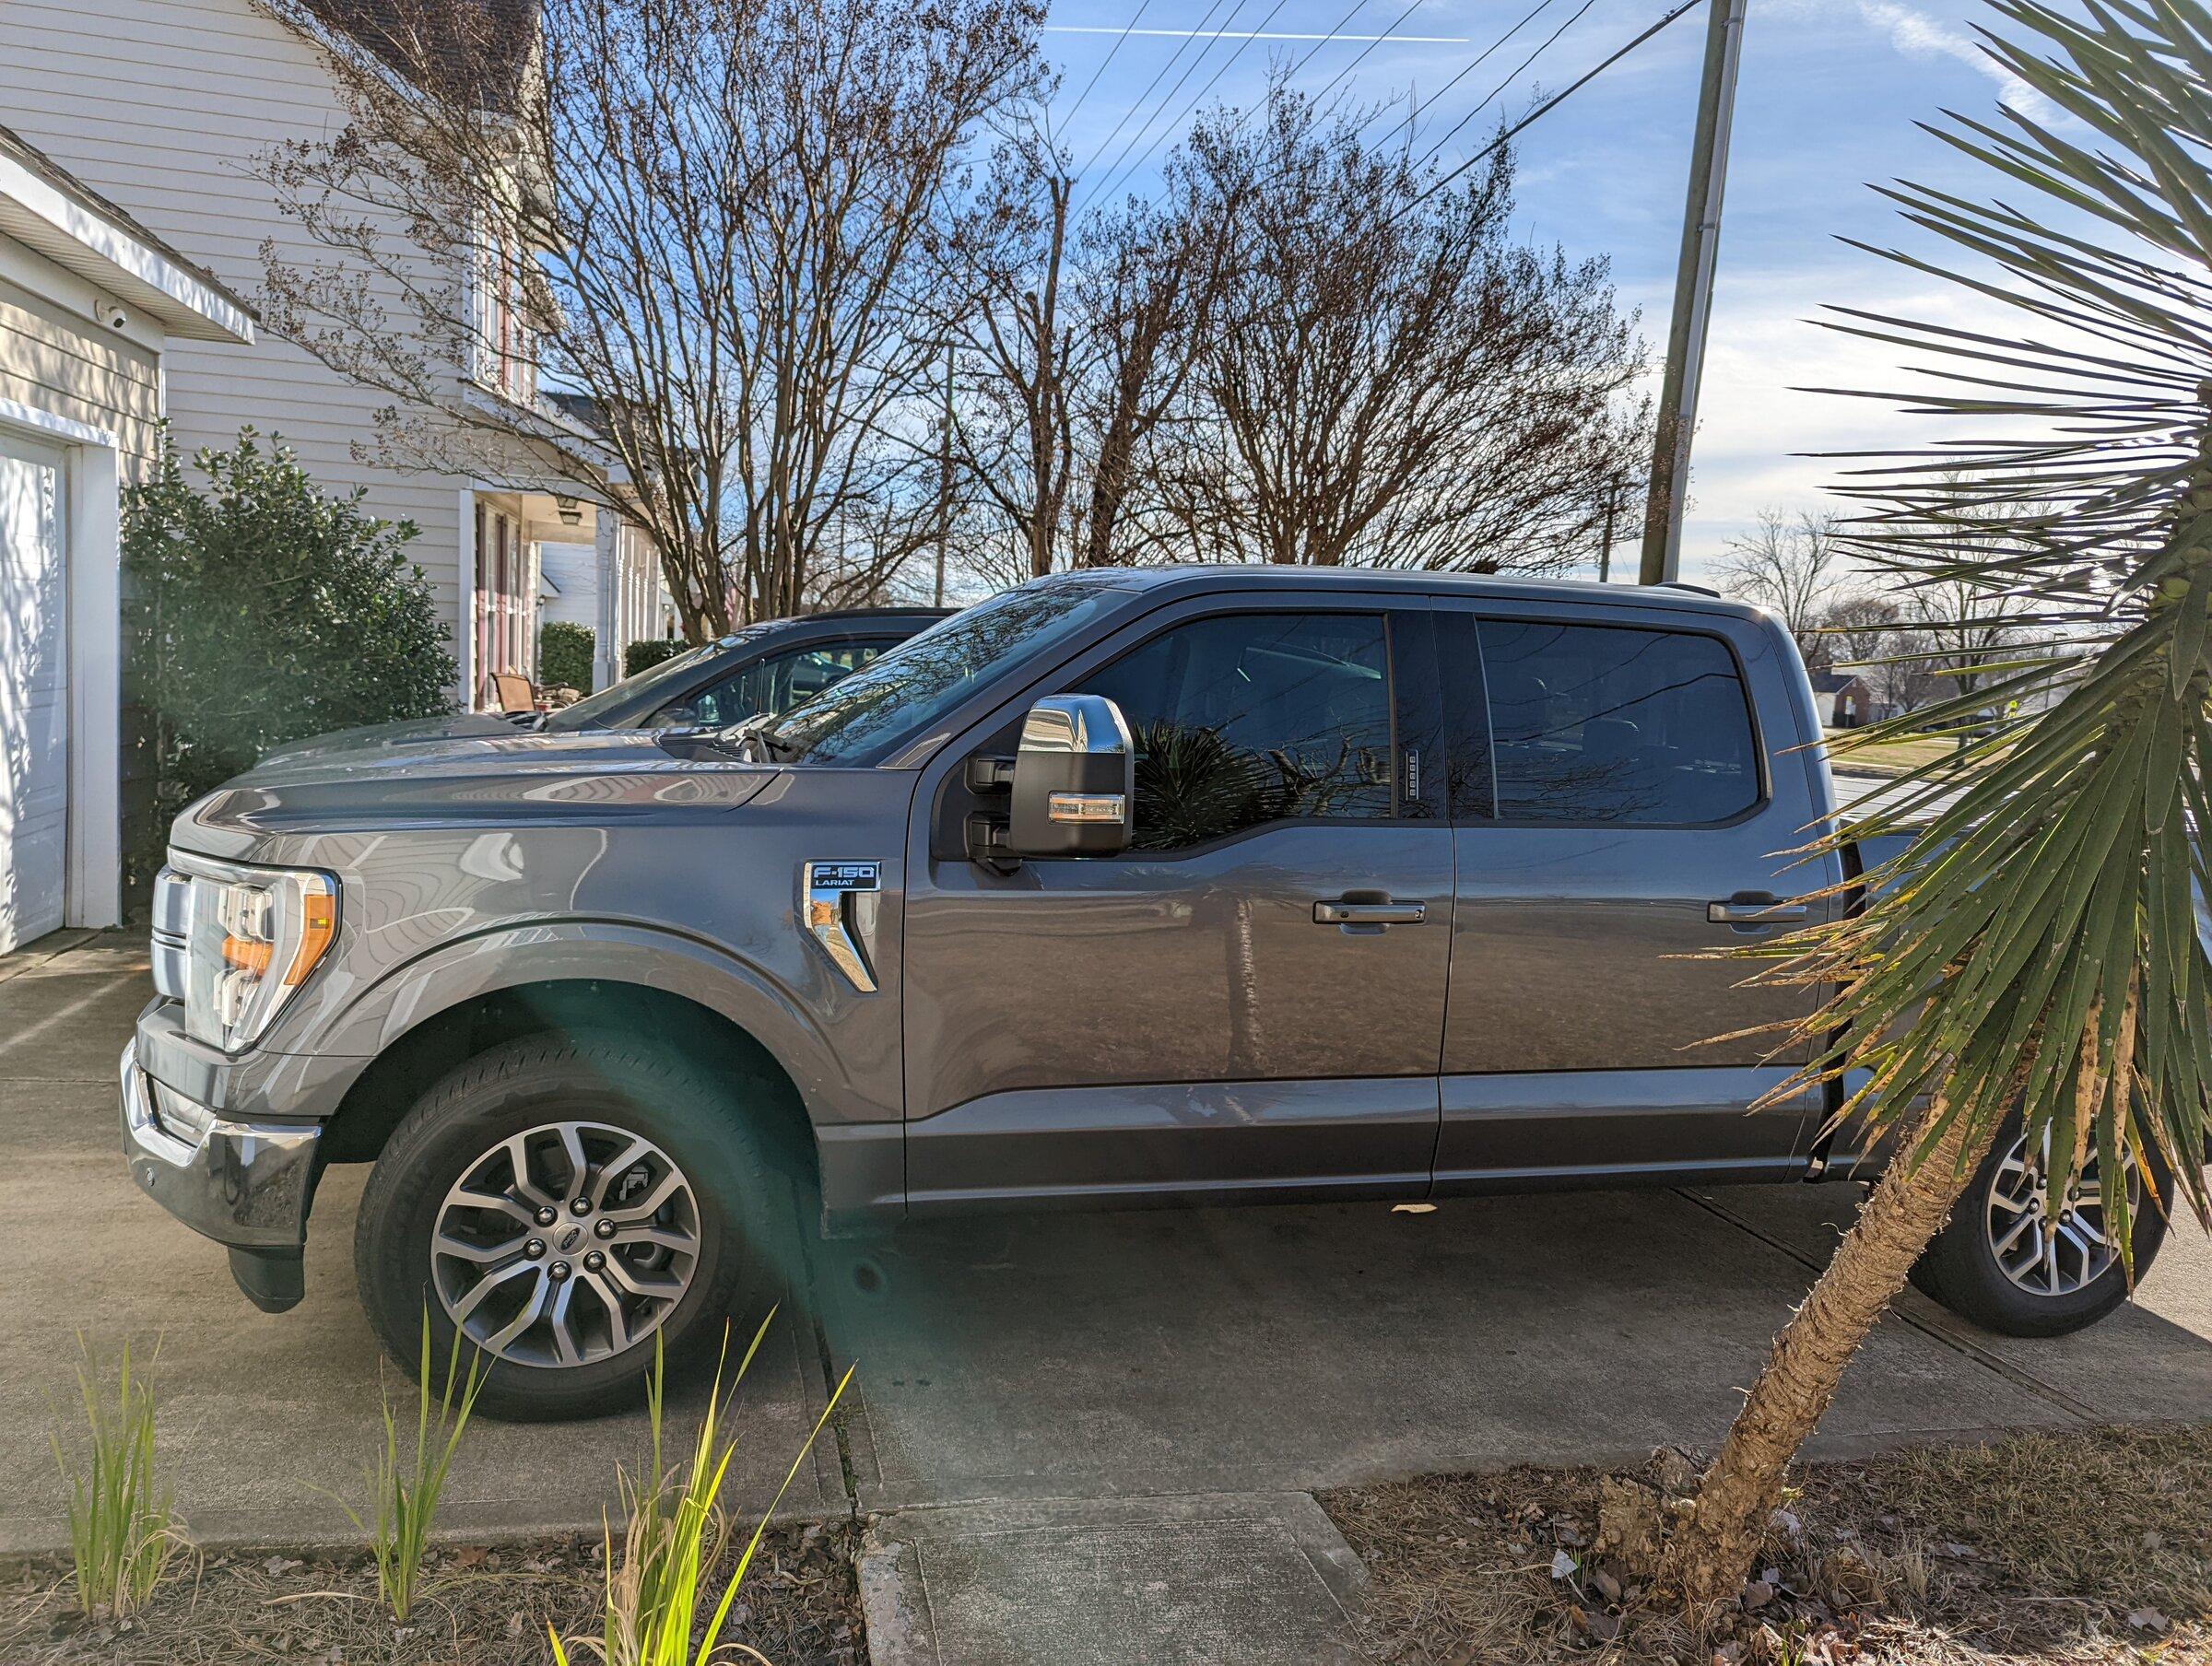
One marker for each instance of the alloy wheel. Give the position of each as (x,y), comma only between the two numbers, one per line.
(565,1244)
(2045,1254)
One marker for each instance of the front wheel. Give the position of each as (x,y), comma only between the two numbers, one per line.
(558,1204)
(2010,1266)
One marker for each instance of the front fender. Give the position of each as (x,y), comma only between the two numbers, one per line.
(779,1018)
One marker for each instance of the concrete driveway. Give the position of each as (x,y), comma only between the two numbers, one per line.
(1020,1360)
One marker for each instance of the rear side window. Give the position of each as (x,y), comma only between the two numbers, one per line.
(1610,724)
(1244,719)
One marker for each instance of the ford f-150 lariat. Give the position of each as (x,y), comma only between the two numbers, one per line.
(1182,885)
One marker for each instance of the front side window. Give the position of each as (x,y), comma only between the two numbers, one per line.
(1612,724)
(1244,719)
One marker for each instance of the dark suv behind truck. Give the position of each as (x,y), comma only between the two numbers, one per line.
(1179,886)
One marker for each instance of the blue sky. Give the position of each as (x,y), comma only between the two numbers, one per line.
(1829,94)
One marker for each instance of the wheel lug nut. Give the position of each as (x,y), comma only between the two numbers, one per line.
(546,1217)
(593,1262)
(581,1206)
(603,1226)
(557,1271)
(535,1249)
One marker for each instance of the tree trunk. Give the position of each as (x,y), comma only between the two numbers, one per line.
(1710,1555)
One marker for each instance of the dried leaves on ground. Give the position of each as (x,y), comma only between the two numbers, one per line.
(480,1606)
(2089,1547)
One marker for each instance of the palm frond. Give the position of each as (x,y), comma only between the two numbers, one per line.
(2041,943)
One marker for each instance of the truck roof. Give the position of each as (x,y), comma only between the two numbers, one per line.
(1678,598)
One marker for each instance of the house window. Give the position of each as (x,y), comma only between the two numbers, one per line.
(503,345)
(505,602)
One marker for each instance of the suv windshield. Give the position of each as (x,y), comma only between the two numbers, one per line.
(589,711)
(864,718)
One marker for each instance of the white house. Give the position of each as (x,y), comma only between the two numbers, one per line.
(165,106)
(94,309)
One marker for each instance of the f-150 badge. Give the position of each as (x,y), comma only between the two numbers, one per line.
(839,901)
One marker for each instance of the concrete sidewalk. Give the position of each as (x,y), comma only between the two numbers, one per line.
(1081,1378)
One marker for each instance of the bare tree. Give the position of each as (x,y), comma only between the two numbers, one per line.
(1388,379)
(706,219)
(1794,565)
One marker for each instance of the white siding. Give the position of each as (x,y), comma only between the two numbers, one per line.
(163,105)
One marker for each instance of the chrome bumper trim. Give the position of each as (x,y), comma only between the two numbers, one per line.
(246,1184)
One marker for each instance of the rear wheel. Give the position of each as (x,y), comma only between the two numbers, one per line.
(2012,1266)
(558,1204)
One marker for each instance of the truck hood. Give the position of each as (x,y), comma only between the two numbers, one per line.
(409,732)
(504,780)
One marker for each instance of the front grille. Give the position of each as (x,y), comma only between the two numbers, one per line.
(173,931)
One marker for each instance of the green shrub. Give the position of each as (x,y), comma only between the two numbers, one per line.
(648,651)
(564,655)
(267,611)
(121,1533)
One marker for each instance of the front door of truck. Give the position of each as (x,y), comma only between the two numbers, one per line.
(1627,804)
(1249,999)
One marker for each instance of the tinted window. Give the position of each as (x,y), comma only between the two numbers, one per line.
(1593,724)
(1252,718)
(775,682)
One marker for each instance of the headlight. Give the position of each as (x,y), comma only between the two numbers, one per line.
(252,936)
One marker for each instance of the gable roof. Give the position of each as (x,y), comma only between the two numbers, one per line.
(45,206)
(476,47)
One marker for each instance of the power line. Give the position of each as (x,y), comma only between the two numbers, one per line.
(1452,132)
(1476,62)
(1115,172)
(1119,41)
(1553,102)
(1184,115)
(1334,32)
(1158,77)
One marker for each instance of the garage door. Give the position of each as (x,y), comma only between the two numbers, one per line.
(34,684)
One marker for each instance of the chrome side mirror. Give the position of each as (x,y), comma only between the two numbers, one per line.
(1074,779)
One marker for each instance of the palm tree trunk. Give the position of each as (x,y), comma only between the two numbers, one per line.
(1710,1555)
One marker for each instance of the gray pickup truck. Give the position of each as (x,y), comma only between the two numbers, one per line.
(1125,887)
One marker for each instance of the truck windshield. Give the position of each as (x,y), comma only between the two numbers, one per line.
(866,717)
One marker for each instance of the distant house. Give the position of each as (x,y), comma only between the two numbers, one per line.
(1846,698)
(96,311)
(165,107)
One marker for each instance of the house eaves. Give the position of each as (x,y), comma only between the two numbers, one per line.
(80,231)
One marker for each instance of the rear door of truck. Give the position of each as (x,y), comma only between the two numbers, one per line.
(1626,801)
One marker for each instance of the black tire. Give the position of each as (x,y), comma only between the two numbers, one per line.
(749,1251)
(1960,1269)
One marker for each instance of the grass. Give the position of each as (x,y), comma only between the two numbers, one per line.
(675,1539)
(1890,757)
(2092,1548)
(121,1532)
(405,1490)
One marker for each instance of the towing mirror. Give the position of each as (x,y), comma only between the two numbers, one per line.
(1074,779)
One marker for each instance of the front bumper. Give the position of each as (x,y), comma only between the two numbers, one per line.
(246,1185)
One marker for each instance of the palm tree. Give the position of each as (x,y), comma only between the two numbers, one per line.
(2034,953)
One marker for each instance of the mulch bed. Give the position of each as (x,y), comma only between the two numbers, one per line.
(485,1606)
(2089,1547)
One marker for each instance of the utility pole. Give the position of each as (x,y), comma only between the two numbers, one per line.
(1605,550)
(944,479)
(1693,293)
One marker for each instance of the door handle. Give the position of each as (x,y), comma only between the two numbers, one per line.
(1755,908)
(1370,913)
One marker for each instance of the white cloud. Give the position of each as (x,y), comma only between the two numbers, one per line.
(1755,421)
(1919,35)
